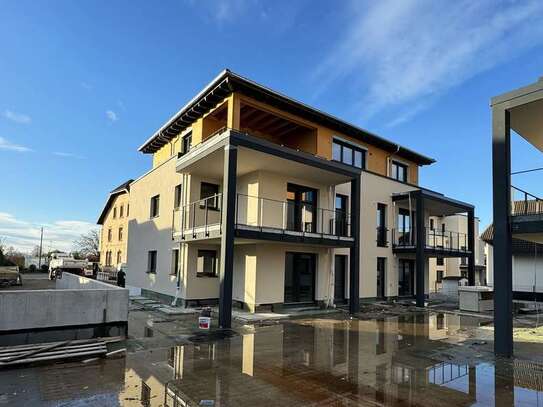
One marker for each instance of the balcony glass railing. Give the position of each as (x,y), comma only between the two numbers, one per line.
(264,214)
(434,239)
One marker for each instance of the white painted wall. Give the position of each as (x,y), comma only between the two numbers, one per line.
(527,271)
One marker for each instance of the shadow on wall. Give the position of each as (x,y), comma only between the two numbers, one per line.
(142,239)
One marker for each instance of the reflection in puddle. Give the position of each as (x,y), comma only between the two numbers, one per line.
(407,360)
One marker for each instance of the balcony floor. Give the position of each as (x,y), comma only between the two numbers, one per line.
(264,233)
(431,250)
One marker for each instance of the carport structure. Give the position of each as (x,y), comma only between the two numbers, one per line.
(520,110)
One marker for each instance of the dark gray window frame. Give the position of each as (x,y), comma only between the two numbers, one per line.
(152,265)
(154,207)
(354,149)
(396,174)
(215,265)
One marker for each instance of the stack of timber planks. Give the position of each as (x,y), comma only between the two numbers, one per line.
(51,352)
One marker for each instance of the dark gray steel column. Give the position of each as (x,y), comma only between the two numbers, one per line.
(354,257)
(503,279)
(420,261)
(471,247)
(227,236)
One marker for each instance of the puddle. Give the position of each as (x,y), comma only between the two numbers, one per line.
(416,359)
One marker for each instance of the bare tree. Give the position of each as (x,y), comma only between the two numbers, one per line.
(88,245)
(35,251)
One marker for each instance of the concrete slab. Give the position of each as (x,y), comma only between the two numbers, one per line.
(244,316)
(169,310)
(146,301)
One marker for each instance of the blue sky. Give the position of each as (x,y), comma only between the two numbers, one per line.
(84,84)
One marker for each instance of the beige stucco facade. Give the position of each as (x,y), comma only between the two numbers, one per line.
(114,231)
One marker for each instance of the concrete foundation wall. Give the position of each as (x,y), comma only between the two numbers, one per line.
(76,301)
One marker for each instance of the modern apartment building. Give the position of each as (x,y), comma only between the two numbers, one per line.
(258,200)
(114,227)
(450,228)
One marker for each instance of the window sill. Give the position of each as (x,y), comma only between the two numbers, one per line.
(206,276)
(150,272)
(154,217)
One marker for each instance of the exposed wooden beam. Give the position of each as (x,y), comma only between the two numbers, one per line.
(288,130)
(247,112)
(256,118)
(280,126)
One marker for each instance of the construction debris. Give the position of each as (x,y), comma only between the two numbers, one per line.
(24,354)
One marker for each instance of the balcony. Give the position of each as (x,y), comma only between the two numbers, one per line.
(441,242)
(526,215)
(264,219)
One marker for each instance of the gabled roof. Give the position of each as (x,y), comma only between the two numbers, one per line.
(227,82)
(518,246)
(124,188)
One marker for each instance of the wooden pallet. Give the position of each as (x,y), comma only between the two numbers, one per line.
(53,351)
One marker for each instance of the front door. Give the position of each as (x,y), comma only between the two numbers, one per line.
(301,208)
(300,277)
(406,277)
(340,270)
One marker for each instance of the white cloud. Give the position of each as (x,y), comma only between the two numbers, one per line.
(225,11)
(111,115)
(24,235)
(68,155)
(401,55)
(7,145)
(17,117)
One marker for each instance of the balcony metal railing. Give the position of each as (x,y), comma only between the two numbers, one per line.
(265,214)
(434,239)
(198,216)
(525,203)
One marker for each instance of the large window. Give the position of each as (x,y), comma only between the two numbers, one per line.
(348,154)
(440,261)
(381,225)
(177,196)
(341,215)
(114,212)
(121,211)
(211,191)
(175,262)
(120,234)
(155,203)
(119,257)
(151,261)
(109,235)
(207,264)
(399,171)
